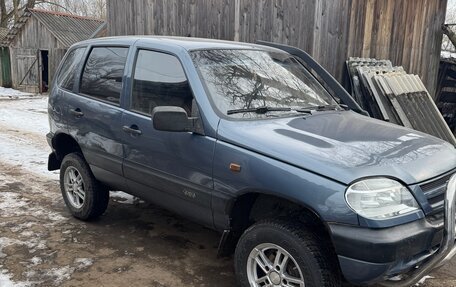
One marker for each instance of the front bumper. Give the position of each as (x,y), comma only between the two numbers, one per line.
(406,252)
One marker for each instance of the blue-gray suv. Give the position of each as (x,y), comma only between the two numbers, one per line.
(260,143)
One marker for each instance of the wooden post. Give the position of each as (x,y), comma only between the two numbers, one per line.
(237,19)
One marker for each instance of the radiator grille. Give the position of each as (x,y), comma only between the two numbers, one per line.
(435,193)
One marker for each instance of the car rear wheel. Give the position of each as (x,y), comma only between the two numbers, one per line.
(84,196)
(278,253)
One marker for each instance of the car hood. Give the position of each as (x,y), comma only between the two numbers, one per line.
(344,146)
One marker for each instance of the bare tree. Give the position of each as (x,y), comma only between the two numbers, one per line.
(90,8)
(449,28)
(11,10)
(451,36)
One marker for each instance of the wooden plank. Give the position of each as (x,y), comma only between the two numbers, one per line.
(54,58)
(407,32)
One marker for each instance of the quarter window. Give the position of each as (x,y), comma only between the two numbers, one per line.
(68,70)
(159,80)
(103,73)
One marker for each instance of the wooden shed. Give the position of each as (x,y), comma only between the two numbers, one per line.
(408,32)
(39,40)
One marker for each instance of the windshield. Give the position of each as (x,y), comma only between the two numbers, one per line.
(243,82)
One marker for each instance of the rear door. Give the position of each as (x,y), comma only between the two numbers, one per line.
(94,113)
(172,169)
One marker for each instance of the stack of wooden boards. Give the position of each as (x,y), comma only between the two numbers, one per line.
(445,97)
(390,94)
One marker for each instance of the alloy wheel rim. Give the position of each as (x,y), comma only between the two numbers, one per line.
(269,265)
(74,187)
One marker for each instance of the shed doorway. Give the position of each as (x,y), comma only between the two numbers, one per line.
(44,73)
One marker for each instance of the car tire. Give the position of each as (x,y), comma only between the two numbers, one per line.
(311,261)
(85,197)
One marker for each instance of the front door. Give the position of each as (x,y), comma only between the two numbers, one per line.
(173,170)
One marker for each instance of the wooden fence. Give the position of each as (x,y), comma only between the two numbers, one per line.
(405,31)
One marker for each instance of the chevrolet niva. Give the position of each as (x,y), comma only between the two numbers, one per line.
(260,143)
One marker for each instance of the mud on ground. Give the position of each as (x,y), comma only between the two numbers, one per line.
(131,245)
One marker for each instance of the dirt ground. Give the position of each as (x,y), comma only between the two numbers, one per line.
(133,244)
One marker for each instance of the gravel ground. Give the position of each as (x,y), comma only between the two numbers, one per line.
(133,244)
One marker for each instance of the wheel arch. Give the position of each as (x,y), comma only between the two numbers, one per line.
(254,205)
(63,144)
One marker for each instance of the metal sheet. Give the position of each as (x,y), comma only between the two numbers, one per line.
(390,94)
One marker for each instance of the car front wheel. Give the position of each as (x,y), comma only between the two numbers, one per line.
(279,253)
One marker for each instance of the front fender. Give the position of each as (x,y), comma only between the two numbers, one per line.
(323,196)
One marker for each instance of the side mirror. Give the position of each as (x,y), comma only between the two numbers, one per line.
(172,119)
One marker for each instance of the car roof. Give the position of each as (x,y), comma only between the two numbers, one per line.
(187,43)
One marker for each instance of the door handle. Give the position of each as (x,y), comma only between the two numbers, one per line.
(76,112)
(133,130)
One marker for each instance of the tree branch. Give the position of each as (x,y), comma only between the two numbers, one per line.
(3,12)
(450,33)
(54,4)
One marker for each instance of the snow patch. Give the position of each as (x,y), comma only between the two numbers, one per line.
(27,233)
(22,226)
(122,197)
(60,274)
(23,128)
(64,273)
(27,115)
(5,280)
(423,280)
(8,93)
(24,154)
(83,263)
(11,204)
(36,260)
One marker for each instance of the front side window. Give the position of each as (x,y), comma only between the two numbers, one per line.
(259,81)
(103,73)
(68,71)
(159,80)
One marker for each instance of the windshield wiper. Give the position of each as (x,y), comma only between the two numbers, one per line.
(264,110)
(309,109)
(259,110)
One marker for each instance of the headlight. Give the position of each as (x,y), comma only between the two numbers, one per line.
(380,198)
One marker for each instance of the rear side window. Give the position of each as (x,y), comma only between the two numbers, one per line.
(103,72)
(159,80)
(68,71)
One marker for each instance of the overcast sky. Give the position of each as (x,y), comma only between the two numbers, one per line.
(451,3)
(451,12)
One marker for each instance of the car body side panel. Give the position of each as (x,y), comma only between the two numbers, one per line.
(265,175)
(98,135)
(171,169)
(177,165)
(57,110)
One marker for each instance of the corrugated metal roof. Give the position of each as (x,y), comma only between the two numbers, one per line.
(14,30)
(68,29)
(392,95)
